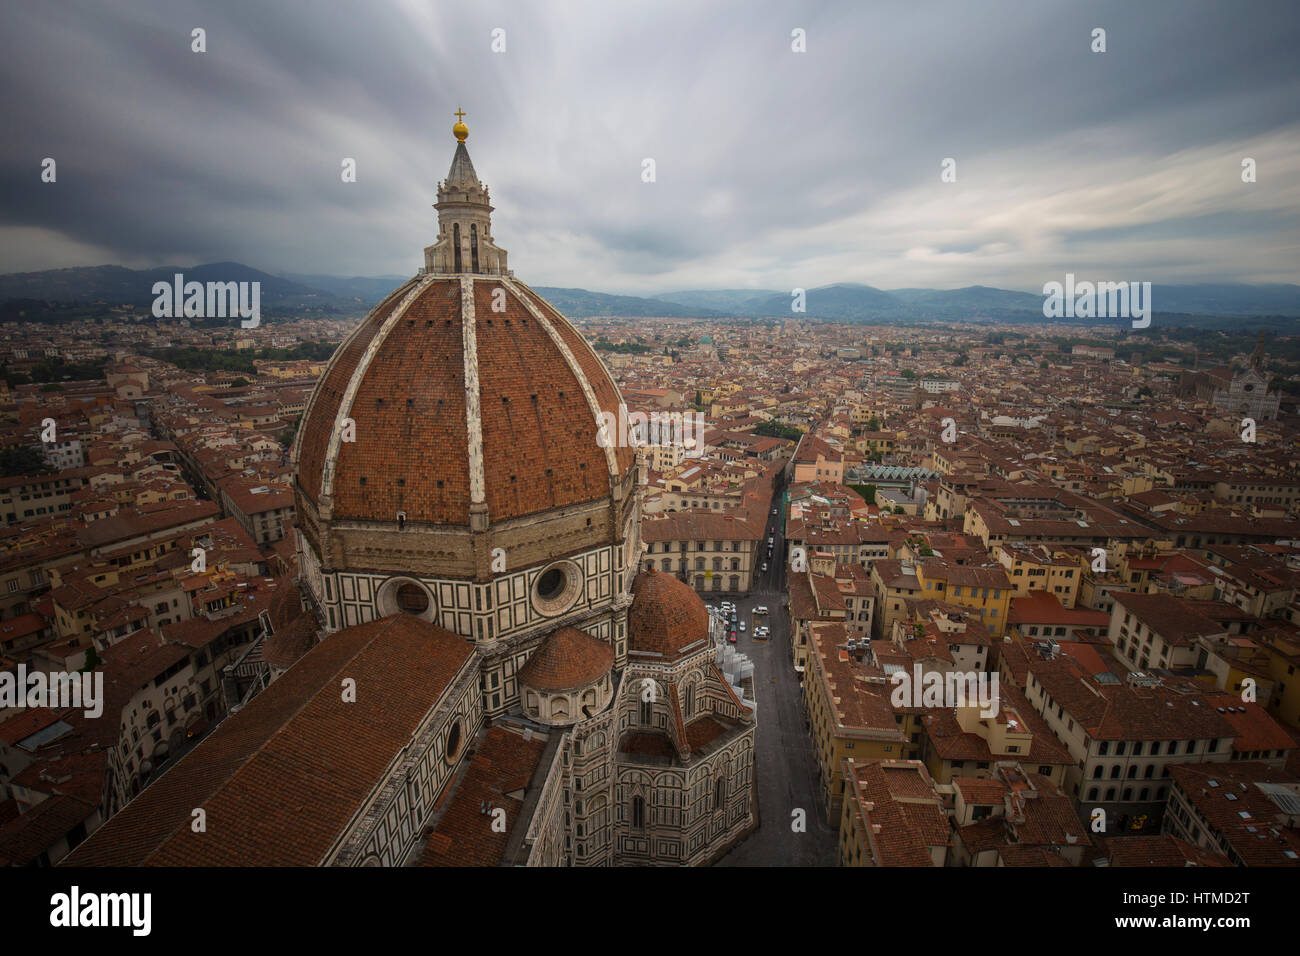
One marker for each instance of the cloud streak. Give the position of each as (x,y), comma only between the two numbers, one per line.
(775,169)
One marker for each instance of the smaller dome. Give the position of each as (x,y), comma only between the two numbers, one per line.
(567,660)
(667,619)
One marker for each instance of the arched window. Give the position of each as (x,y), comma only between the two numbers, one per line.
(638,812)
(473,245)
(455,238)
(719,792)
(690,700)
(647,713)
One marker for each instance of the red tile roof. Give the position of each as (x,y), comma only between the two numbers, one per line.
(567,660)
(540,446)
(280,779)
(667,619)
(496,778)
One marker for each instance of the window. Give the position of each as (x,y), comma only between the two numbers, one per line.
(453,743)
(412,599)
(638,812)
(551,584)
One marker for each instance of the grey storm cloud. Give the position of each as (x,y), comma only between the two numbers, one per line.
(773,169)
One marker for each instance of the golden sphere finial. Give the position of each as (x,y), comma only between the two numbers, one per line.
(460,130)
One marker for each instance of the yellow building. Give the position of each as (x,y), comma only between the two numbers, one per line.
(1037,568)
(848,711)
(875,443)
(985,591)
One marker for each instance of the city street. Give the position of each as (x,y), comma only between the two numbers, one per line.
(786,768)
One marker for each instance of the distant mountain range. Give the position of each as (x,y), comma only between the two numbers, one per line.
(853,301)
(115,285)
(297,293)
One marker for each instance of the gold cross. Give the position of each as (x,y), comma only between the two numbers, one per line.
(460,114)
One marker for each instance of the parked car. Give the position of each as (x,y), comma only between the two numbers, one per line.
(764,567)
(742,627)
(731,638)
(761,609)
(771,541)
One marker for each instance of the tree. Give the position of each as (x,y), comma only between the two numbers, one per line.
(908,374)
(774,429)
(240,382)
(23,461)
(868,492)
(873,424)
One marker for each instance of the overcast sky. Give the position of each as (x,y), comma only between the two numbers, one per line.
(775,169)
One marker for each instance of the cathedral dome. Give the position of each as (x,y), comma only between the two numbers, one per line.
(451,403)
(667,619)
(462,401)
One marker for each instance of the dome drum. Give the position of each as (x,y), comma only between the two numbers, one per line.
(449,551)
